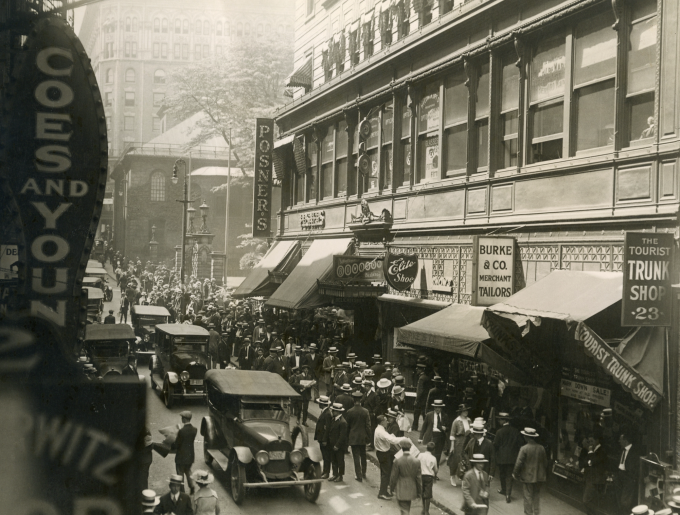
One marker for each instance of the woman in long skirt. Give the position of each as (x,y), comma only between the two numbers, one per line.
(460,430)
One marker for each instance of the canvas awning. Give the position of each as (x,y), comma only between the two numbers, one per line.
(283,254)
(301,77)
(300,290)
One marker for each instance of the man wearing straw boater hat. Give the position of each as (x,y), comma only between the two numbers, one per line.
(175,501)
(321,430)
(149,501)
(479,444)
(434,428)
(475,482)
(531,469)
(338,441)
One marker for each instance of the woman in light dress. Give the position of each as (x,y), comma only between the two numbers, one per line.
(205,498)
(460,430)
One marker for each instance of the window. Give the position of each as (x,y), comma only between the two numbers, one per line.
(227,29)
(428,137)
(109,76)
(164,50)
(177,50)
(129,99)
(134,49)
(108,51)
(157,186)
(128,48)
(311,179)
(178,26)
(327,152)
(159,77)
(509,111)
(129,75)
(546,100)
(218,28)
(156,123)
(425,15)
(128,24)
(594,74)
(135,27)
(341,144)
(164,25)
(239,29)
(185,51)
(386,141)
(206,28)
(156,50)
(299,192)
(197,52)
(218,49)
(206,51)
(185,27)
(128,123)
(157,25)
(482,118)
(405,141)
(198,28)
(371,174)
(640,73)
(108,99)
(158,99)
(246,29)
(352,172)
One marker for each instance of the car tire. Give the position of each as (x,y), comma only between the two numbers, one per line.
(237,481)
(168,392)
(312,490)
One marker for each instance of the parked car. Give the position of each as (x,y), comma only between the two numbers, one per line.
(179,362)
(144,321)
(247,434)
(102,284)
(95,305)
(108,345)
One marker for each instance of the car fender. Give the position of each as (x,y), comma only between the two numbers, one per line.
(244,454)
(172,377)
(313,453)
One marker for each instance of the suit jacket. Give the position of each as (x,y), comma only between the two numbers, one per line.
(129,371)
(472,488)
(532,463)
(291,362)
(346,401)
(434,394)
(507,444)
(428,426)
(595,467)
(315,364)
(110,319)
(371,402)
(337,434)
(183,506)
(406,481)
(278,366)
(422,389)
(246,357)
(358,425)
(632,466)
(185,445)
(323,426)
(485,448)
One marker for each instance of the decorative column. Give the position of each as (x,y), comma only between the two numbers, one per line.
(153,246)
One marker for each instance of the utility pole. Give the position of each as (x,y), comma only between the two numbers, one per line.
(185,200)
(226,218)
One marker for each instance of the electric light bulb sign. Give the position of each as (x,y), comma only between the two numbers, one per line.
(647,269)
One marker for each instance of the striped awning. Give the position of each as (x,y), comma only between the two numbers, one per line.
(283,156)
(302,77)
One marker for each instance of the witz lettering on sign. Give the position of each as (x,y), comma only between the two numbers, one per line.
(493,270)
(264,145)
(647,271)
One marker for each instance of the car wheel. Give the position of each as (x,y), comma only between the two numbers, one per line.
(312,490)
(168,395)
(238,481)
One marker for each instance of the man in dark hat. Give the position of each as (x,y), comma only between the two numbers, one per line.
(507,443)
(213,345)
(531,469)
(435,428)
(359,434)
(175,501)
(377,367)
(303,385)
(297,358)
(131,368)
(110,318)
(437,392)
(422,389)
(246,356)
(184,444)
(277,365)
(338,440)
(258,364)
(321,432)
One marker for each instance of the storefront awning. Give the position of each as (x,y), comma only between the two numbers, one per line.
(283,254)
(409,301)
(300,290)
(302,77)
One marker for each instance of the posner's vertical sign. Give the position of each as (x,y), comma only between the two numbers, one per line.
(400,270)
(55,158)
(493,269)
(647,267)
(262,201)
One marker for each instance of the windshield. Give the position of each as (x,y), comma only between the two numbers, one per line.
(189,347)
(152,320)
(265,411)
(110,350)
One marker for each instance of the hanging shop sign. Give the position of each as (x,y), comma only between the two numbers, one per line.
(400,270)
(358,270)
(629,378)
(647,263)
(493,269)
(313,220)
(262,189)
(55,160)
(586,392)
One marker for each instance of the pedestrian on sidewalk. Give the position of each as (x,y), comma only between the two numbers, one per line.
(383,442)
(434,429)
(460,432)
(110,318)
(337,440)
(124,306)
(474,486)
(321,431)
(330,362)
(359,434)
(429,468)
(594,472)
(531,469)
(406,481)
(175,501)
(507,444)
(422,390)
(184,444)
(480,444)
(205,498)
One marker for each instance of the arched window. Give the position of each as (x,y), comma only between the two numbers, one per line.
(206,28)
(157,186)
(239,29)
(199,27)
(159,77)
(185,26)
(134,24)
(109,76)
(246,30)
(157,25)
(178,26)
(129,75)
(165,25)
(227,29)
(218,28)
(128,24)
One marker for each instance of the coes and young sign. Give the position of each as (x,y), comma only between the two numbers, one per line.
(400,270)
(55,161)
(647,262)
(262,202)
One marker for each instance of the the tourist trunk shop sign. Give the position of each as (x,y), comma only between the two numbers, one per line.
(262,201)
(55,162)
(400,270)
(493,269)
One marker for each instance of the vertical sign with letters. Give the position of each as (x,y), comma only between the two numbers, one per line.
(262,190)
(493,269)
(647,268)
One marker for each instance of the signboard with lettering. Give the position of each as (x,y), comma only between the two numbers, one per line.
(358,270)
(400,270)
(262,190)
(625,375)
(9,259)
(313,220)
(586,392)
(55,159)
(647,265)
(493,269)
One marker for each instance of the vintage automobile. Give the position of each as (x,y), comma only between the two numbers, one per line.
(247,433)
(108,345)
(95,305)
(144,320)
(98,251)
(180,361)
(102,284)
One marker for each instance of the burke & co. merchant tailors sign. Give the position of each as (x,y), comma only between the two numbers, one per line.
(493,269)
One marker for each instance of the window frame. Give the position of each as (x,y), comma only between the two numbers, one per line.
(130,72)
(130,100)
(157,25)
(158,188)
(159,76)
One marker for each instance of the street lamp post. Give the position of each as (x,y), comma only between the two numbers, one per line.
(185,200)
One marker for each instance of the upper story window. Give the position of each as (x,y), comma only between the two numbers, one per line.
(227,29)
(156,50)
(239,29)
(164,25)
(156,24)
(129,99)
(327,155)
(158,186)
(206,28)
(159,77)
(428,137)
(509,111)
(482,117)
(218,28)
(185,26)
(109,76)
(177,51)
(158,99)
(198,27)
(129,75)
(341,158)
(135,27)
(178,26)
(128,24)
(260,30)
(312,170)
(246,29)
(405,142)
(386,136)
(456,123)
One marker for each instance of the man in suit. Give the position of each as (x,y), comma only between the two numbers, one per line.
(277,365)
(422,390)
(474,486)
(315,361)
(296,359)
(131,368)
(377,367)
(110,319)
(323,425)
(184,444)
(337,440)
(406,480)
(434,429)
(246,356)
(175,501)
(531,469)
(359,434)
(594,473)
(507,444)
(626,474)
(479,444)
(345,396)
(436,392)
(305,391)
(330,362)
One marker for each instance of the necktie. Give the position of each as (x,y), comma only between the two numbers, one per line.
(623,457)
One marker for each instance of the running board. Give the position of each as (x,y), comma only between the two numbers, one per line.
(220,458)
(281,484)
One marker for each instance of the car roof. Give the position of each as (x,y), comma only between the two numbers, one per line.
(94,293)
(250,383)
(91,280)
(183,329)
(96,271)
(109,332)
(150,310)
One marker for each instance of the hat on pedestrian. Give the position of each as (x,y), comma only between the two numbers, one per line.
(437,379)
(351,355)
(377,357)
(260,321)
(323,400)
(665,511)
(530,432)
(202,477)
(298,347)
(186,414)
(642,509)
(279,349)
(312,346)
(391,413)
(438,403)
(176,479)
(336,338)
(469,389)
(332,350)
(83,359)
(405,444)
(305,365)
(388,364)
(336,406)
(421,365)
(150,499)
(478,458)
(369,373)
(397,390)
(463,407)
(345,364)
(384,383)
(260,350)
(346,387)
(110,312)
(357,380)
(247,339)
(477,427)
(503,415)
(357,394)
(675,501)
(399,380)
(607,412)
